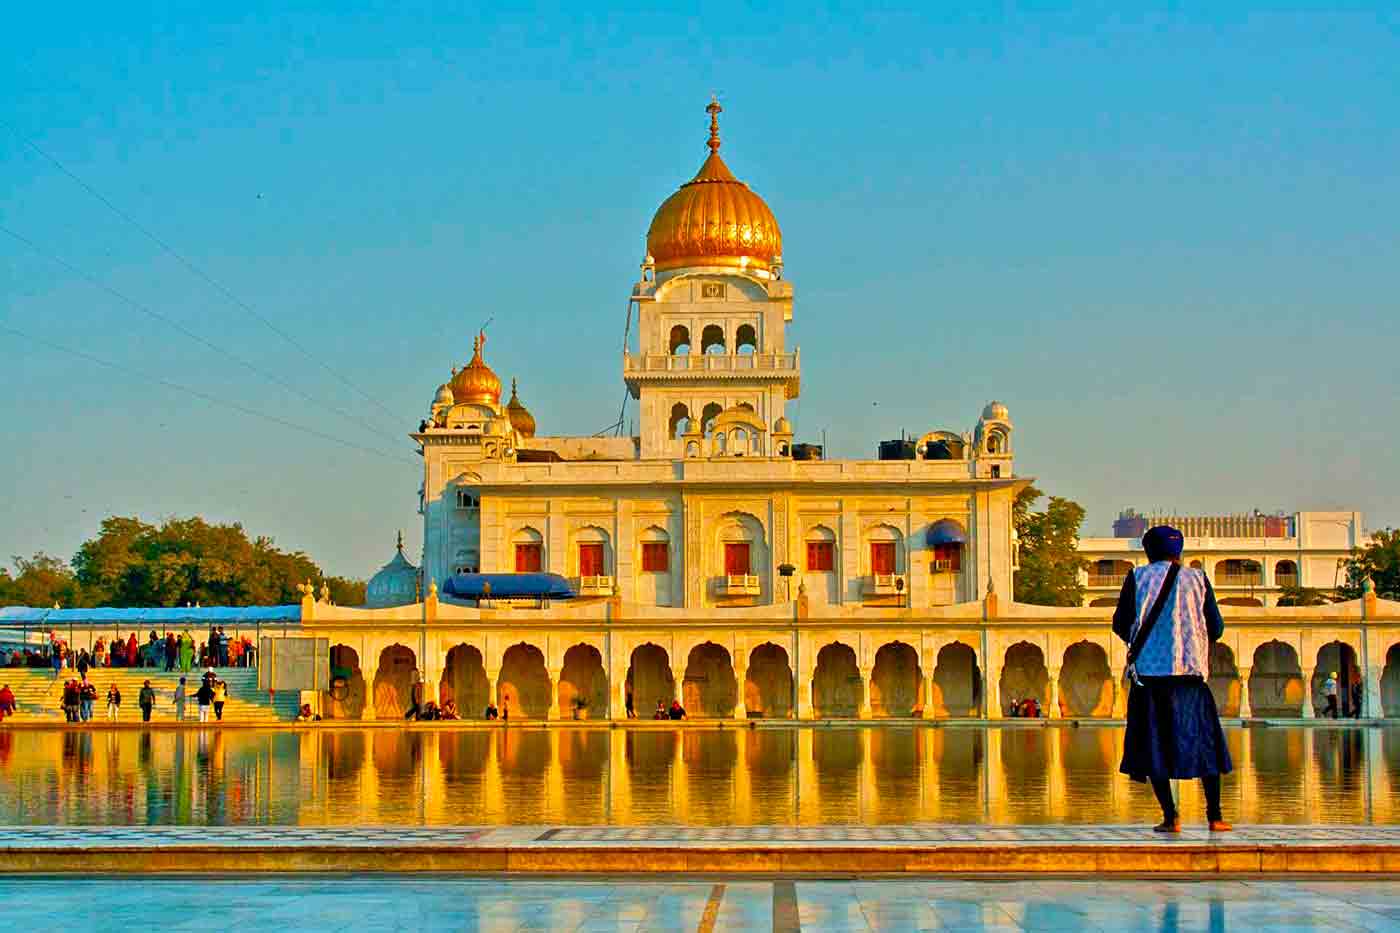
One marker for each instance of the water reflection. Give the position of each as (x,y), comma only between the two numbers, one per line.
(895,774)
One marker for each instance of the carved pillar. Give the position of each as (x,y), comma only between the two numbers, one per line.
(1309,711)
(866,689)
(554,711)
(1120,693)
(1052,705)
(1246,708)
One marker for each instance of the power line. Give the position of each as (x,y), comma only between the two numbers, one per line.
(161,381)
(171,322)
(199,272)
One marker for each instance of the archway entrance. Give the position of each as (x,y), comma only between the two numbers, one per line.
(768,683)
(393,683)
(1024,676)
(1224,679)
(1086,683)
(1390,683)
(649,679)
(346,697)
(524,683)
(464,682)
(583,684)
(957,682)
(1333,658)
(896,681)
(837,689)
(1276,683)
(710,687)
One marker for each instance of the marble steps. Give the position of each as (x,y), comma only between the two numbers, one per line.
(38,693)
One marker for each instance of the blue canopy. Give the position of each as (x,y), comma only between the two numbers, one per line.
(946,531)
(508,586)
(156,615)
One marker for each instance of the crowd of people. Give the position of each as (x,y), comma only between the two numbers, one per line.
(182,651)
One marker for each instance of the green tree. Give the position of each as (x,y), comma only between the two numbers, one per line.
(1050,565)
(1379,561)
(1302,596)
(40,581)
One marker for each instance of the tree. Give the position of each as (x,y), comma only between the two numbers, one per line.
(1050,569)
(40,581)
(1379,561)
(1302,596)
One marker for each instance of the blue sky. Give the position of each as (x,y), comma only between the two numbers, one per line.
(1166,239)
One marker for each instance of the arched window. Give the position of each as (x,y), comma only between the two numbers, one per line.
(656,550)
(712,339)
(721,442)
(692,449)
(529,550)
(739,445)
(708,416)
(821,550)
(746,406)
(886,553)
(745,339)
(680,420)
(593,557)
(995,443)
(1285,573)
(946,537)
(680,340)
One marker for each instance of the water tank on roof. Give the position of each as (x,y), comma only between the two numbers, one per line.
(897,450)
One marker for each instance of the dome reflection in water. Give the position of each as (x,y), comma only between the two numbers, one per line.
(697,776)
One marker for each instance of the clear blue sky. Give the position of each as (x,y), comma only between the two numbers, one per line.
(1168,241)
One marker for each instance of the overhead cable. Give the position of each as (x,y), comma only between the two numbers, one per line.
(161,381)
(199,273)
(171,322)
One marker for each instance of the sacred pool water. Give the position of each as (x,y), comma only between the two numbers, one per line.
(698,776)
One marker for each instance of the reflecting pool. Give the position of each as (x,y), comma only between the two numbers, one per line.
(696,776)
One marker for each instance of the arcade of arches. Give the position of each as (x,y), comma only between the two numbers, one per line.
(1075,673)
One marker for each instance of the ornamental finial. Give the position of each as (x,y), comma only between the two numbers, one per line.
(400,541)
(714,111)
(478,342)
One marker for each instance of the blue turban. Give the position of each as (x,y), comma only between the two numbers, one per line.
(1162,542)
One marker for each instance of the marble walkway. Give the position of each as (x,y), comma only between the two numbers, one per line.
(403,902)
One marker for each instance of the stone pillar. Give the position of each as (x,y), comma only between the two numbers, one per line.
(369,673)
(493,686)
(1309,712)
(678,687)
(741,709)
(866,711)
(1120,693)
(804,696)
(617,696)
(1052,704)
(927,685)
(1246,709)
(554,699)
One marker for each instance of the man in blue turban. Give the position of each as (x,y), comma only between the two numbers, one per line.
(1168,616)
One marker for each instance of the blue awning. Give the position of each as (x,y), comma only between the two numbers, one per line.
(155,615)
(508,586)
(946,531)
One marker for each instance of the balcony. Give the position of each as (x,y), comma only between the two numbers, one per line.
(885,584)
(1114,580)
(739,584)
(944,566)
(1286,579)
(641,367)
(595,586)
(1239,579)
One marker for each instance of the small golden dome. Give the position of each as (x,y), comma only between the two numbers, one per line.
(714,219)
(475,383)
(520,417)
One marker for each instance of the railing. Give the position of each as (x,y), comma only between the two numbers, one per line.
(740,584)
(943,566)
(1239,579)
(1286,579)
(885,583)
(702,362)
(1106,579)
(595,586)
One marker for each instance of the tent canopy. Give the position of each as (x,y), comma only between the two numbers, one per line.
(508,586)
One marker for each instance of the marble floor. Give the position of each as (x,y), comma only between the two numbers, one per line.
(405,902)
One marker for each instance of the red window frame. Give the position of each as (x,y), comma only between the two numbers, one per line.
(656,557)
(736,558)
(528,558)
(590,559)
(952,553)
(821,556)
(882,557)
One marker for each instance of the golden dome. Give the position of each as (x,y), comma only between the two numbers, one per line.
(475,383)
(714,219)
(520,417)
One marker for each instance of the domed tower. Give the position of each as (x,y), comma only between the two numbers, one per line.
(712,285)
(396,583)
(993,438)
(520,417)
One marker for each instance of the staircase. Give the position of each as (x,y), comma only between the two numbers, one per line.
(40,696)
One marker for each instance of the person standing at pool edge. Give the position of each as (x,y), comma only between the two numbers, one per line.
(1168,616)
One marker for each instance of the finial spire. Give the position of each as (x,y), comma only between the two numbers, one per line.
(478,342)
(400,541)
(714,110)
(512,387)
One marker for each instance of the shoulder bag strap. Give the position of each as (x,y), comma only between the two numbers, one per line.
(1150,621)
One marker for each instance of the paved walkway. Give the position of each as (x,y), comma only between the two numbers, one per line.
(857,850)
(400,902)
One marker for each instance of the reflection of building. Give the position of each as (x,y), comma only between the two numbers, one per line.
(1252,560)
